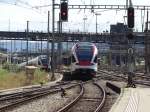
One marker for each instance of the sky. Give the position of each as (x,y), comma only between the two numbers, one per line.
(15,13)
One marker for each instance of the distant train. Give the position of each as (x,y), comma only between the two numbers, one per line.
(43,62)
(38,61)
(84,59)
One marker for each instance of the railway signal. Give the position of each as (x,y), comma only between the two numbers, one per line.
(64,11)
(130,17)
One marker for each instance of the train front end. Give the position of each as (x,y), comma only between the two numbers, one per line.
(84,59)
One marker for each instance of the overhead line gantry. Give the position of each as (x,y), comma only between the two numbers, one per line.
(121,7)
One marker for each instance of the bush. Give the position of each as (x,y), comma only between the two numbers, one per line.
(11,67)
(11,80)
(6,66)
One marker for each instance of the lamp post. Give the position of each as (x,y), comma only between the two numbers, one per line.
(126,3)
(84,19)
(27,43)
(96,14)
(53,28)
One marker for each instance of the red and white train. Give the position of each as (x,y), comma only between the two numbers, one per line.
(84,59)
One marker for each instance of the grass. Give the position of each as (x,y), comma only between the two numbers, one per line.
(13,80)
(40,77)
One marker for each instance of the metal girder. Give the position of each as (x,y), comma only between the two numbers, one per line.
(69,37)
(121,7)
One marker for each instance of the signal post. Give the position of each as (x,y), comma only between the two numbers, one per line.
(130,37)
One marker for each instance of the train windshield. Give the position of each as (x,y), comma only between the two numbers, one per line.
(84,46)
(85,53)
(44,61)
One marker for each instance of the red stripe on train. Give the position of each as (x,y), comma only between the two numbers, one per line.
(84,63)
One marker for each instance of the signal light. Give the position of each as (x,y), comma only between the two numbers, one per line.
(130,17)
(64,11)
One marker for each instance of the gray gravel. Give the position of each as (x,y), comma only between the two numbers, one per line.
(49,103)
(86,104)
(111,97)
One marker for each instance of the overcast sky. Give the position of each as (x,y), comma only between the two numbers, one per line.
(15,13)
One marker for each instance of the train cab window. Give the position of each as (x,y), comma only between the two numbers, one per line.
(84,48)
(39,62)
(95,59)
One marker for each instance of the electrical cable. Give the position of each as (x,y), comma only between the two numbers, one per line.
(27,6)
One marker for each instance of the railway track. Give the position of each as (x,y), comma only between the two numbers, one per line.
(83,102)
(86,98)
(138,79)
(9,101)
(27,93)
(111,76)
(23,90)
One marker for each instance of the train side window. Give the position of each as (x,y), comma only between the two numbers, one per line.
(95,59)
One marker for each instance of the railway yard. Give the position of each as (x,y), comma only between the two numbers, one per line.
(69,96)
(74,56)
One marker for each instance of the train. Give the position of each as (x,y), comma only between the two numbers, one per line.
(84,59)
(44,63)
(40,61)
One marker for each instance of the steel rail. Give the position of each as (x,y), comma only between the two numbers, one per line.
(112,74)
(23,93)
(146,83)
(24,100)
(103,99)
(68,106)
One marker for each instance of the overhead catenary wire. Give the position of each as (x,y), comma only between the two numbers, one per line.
(22,4)
(27,4)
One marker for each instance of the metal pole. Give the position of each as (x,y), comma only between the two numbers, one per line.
(21,51)
(11,52)
(27,42)
(59,43)
(48,60)
(41,46)
(96,23)
(53,28)
(146,47)
(120,55)
(84,23)
(96,20)
(131,64)
(9,58)
(126,3)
